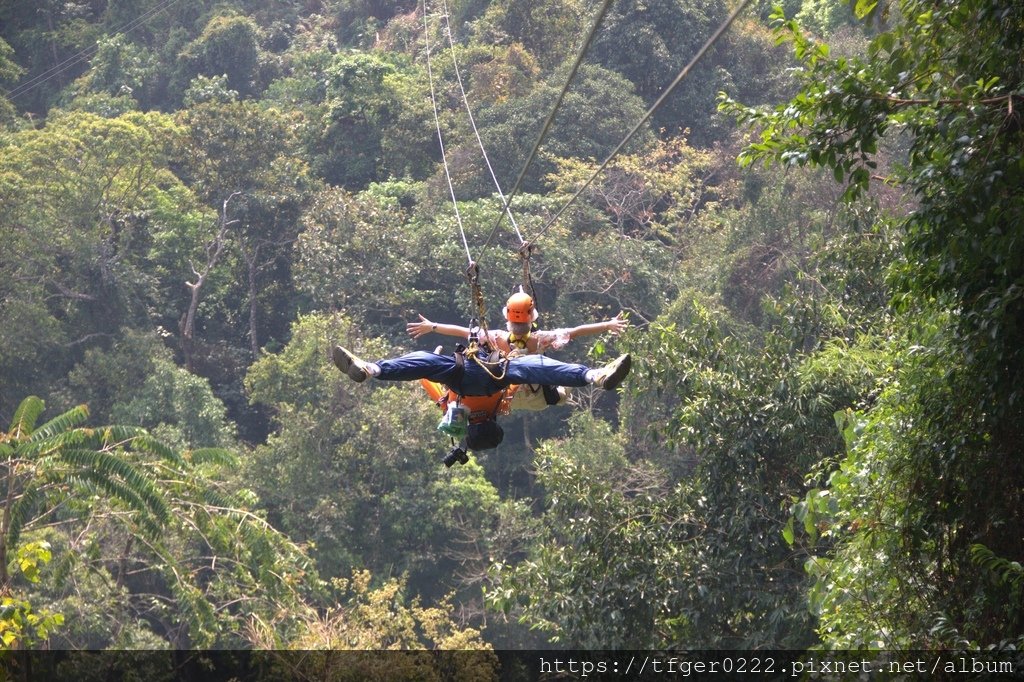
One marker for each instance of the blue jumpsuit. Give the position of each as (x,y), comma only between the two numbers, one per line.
(526,369)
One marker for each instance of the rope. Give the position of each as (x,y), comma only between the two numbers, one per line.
(502,366)
(472,123)
(440,139)
(682,74)
(473,271)
(473,275)
(82,54)
(551,117)
(526,249)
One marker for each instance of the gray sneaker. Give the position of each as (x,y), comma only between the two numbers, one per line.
(612,374)
(349,364)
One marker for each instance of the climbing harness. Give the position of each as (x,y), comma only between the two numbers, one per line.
(466,419)
(519,342)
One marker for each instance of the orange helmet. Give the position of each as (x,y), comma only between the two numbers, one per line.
(519,308)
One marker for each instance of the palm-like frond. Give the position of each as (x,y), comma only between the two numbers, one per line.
(212,456)
(119,434)
(149,520)
(74,417)
(21,512)
(1005,571)
(25,417)
(147,443)
(102,438)
(63,470)
(101,464)
(41,444)
(217,498)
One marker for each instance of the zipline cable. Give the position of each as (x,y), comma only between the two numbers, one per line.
(525,249)
(472,123)
(682,74)
(551,117)
(473,271)
(84,53)
(440,139)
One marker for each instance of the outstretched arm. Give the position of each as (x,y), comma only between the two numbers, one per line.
(425,326)
(615,326)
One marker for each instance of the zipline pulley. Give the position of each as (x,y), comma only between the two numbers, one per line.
(494,363)
(526,250)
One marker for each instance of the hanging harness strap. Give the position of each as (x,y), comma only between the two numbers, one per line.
(525,251)
(460,371)
(494,363)
(473,274)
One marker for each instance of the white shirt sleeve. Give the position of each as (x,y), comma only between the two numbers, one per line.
(551,338)
(498,339)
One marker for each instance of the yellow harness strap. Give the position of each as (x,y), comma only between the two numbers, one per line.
(519,342)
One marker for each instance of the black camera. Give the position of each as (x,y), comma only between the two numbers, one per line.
(457,454)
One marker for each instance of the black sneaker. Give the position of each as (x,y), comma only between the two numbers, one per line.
(612,374)
(349,364)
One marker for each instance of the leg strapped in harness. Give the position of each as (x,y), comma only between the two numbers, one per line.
(471,419)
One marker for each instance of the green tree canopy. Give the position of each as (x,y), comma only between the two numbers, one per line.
(80,200)
(343,455)
(228,45)
(947,79)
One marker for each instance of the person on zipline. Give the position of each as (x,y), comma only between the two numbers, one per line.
(472,378)
(522,337)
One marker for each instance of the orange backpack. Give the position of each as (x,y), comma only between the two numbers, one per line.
(481,407)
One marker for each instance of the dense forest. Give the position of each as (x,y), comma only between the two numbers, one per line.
(817,238)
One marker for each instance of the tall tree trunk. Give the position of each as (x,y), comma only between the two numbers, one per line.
(253,273)
(214,247)
(5,523)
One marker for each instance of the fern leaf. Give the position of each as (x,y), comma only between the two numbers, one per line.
(220,456)
(67,421)
(217,498)
(1007,572)
(110,466)
(25,417)
(21,512)
(150,522)
(147,443)
(113,435)
(40,444)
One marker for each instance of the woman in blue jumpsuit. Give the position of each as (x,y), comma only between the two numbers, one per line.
(475,379)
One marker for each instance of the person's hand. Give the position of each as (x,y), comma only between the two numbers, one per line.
(618,323)
(418,329)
